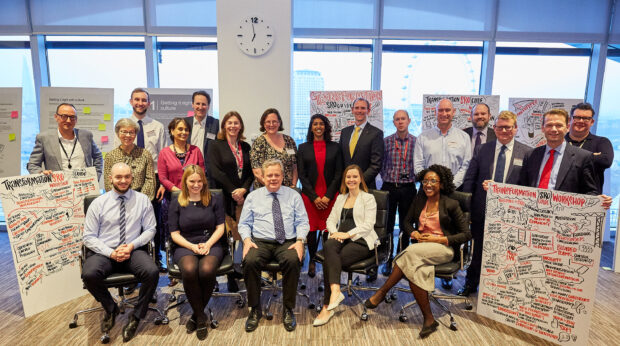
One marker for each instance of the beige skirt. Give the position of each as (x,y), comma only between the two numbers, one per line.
(418,262)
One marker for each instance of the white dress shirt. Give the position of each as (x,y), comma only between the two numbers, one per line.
(77,155)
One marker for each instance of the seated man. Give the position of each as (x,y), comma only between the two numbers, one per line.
(273,224)
(114,241)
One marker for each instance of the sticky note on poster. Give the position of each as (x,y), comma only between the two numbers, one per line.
(86,110)
(12,137)
(101,127)
(190,113)
(107,117)
(104,139)
(14,114)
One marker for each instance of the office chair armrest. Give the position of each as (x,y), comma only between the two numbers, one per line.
(169,253)
(377,242)
(466,256)
(82,257)
(150,248)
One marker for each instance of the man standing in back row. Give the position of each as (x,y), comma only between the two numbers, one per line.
(203,128)
(479,132)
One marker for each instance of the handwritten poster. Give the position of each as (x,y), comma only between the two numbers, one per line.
(336,106)
(529,113)
(10,130)
(540,261)
(463,105)
(45,221)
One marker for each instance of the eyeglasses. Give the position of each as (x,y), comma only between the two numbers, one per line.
(127,133)
(429,182)
(582,118)
(64,117)
(504,128)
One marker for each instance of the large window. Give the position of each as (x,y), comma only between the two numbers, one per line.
(326,65)
(411,69)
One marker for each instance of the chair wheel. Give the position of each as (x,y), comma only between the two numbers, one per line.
(320,288)
(302,286)
(311,306)
(240,303)
(453,326)
(214,324)
(105,339)
(318,309)
(393,296)
(269,316)
(172,298)
(403,318)
(364,317)
(468,307)
(73,324)
(387,299)
(165,320)
(157,321)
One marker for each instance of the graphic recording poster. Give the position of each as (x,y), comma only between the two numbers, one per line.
(336,106)
(45,221)
(10,130)
(540,261)
(463,104)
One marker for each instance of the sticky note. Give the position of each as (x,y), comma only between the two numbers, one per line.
(12,137)
(107,117)
(14,115)
(190,113)
(104,154)
(86,110)
(101,127)
(104,139)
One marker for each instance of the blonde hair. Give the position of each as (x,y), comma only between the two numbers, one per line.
(343,185)
(507,115)
(204,193)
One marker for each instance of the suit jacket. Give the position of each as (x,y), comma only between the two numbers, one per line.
(364,215)
(308,172)
(46,154)
(481,169)
(368,151)
(212,126)
(576,173)
(223,168)
(451,219)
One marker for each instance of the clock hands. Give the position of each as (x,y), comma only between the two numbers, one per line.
(253,32)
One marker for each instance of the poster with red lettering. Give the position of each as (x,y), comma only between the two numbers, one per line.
(540,261)
(463,105)
(336,106)
(45,221)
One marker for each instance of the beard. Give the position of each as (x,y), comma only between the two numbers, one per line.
(140,113)
(119,189)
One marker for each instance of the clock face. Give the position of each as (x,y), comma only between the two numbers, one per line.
(254,36)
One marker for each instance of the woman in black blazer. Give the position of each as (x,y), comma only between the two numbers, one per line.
(229,164)
(319,163)
(440,229)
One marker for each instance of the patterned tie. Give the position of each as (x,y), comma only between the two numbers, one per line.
(500,166)
(122,220)
(546,173)
(141,135)
(478,141)
(278,224)
(354,141)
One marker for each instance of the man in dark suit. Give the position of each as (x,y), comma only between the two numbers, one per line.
(480,132)
(66,147)
(582,119)
(203,128)
(500,161)
(362,143)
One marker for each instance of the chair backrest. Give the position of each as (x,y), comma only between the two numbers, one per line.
(87,201)
(381,197)
(464,199)
(175,194)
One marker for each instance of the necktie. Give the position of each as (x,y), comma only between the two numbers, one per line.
(500,165)
(478,141)
(546,173)
(141,135)
(122,220)
(354,141)
(278,224)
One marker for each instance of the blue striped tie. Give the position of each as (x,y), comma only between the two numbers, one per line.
(278,223)
(122,220)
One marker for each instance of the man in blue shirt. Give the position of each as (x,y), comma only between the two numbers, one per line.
(273,224)
(118,224)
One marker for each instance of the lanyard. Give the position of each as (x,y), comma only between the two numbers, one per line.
(238,154)
(580,145)
(400,156)
(72,150)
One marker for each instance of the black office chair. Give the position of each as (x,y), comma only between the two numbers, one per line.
(380,256)
(114,280)
(177,296)
(449,270)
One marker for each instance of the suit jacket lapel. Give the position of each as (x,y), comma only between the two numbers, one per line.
(565,165)
(55,141)
(346,138)
(490,158)
(536,160)
(359,138)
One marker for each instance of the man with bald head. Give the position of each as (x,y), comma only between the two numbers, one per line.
(479,132)
(118,226)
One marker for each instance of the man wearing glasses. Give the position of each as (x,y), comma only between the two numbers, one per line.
(496,161)
(65,148)
(582,119)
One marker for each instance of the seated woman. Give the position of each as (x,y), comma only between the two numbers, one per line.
(440,229)
(351,239)
(196,223)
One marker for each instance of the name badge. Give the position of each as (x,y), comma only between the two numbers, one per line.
(517,162)
(151,133)
(210,135)
(290,151)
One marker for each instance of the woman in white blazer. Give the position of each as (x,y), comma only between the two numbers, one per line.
(351,239)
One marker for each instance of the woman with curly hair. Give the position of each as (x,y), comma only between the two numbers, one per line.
(440,228)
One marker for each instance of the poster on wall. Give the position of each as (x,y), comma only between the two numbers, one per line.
(45,221)
(167,104)
(336,106)
(95,111)
(463,104)
(529,113)
(540,261)
(10,130)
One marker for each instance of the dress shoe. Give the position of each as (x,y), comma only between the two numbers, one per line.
(335,304)
(319,322)
(446,283)
(108,320)
(252,322)
(428,330)
(190,326)
(232,285)
(312,269)
(288,319)
(130,328)
(370,305)
(202,331)
(371,275)
(467,290)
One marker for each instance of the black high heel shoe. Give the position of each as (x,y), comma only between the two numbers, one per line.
(428,330)
(370,305)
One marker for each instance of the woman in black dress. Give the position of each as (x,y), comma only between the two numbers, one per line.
(196,223)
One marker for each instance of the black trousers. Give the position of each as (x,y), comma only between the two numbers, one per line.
(160,235)
(400,197)
(473,272)
(338,255)
(97,267)
(290,266)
